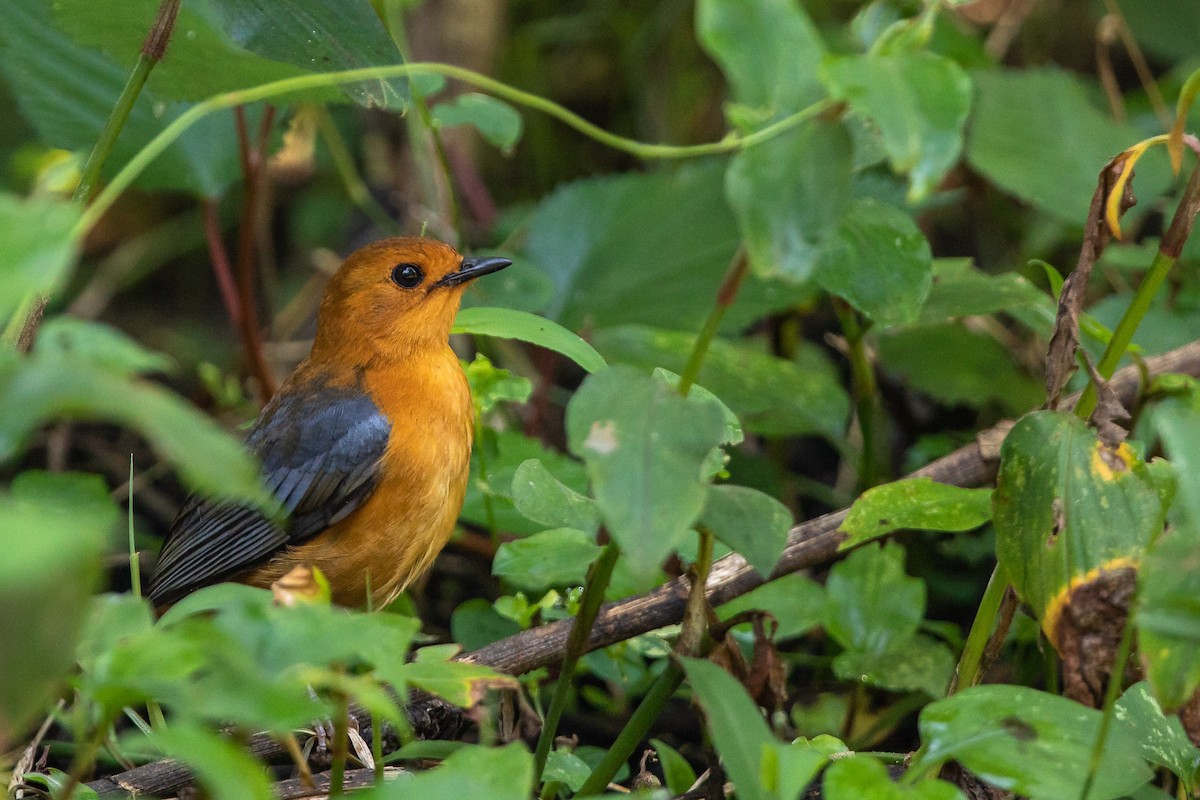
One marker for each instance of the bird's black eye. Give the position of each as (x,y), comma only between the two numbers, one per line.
(407,276)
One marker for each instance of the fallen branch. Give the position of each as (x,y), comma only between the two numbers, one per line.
(809,544)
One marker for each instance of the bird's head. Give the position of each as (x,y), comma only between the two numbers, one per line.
(397,296)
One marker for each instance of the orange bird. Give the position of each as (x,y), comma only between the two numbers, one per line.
(367,444)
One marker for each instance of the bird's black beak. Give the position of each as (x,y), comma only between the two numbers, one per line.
(472,268)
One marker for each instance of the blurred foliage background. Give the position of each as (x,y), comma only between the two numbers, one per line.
(904,245)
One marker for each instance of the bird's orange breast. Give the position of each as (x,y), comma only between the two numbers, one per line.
(408,517)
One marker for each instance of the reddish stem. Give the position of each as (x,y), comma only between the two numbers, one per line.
(220,262)
(252,170)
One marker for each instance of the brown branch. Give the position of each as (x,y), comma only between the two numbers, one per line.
(809,544)
(220,262)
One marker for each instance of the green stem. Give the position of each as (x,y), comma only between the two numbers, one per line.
(135,567)
(1168,253)
(175,129)
(343,163)
(112,127)
(967,672)
(589,606)
(692,642)
(341,736)
(865,392)
(635,730)
(1115,680)
(1123,333)
(725,297)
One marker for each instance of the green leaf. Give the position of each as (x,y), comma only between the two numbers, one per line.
(644,446)
(202,59)
(496,120)
(1029,742)
(960,290)
(788,194)
(677,772)
(917,504)
(509,323)
(67,93)
(759,765)
(543,498)
(53,529)
(497,773)
(879,262)
(958,366)
(101,345)
(491,385)
(1161,739)
(224,768)
(752,523)
(1050,159)
(916,663)
(871,604)
(489,491)
(1066,505)
(863,777)
(919,101)
(771,396)
(45,387)
(796,602)
(458,682)
(1168,612)
(566,768)
(768,50)
(318,37)
(646,248)
(39,251)
(475,623)
(558,557)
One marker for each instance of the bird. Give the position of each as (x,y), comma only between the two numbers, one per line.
(366,445)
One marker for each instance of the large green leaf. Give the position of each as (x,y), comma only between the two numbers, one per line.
(647,248)
(98,344)
(201,59)
(1037,134)
(224,768)
(510,323)
(494,464)
(558,557)
(958,366)
(53,530)
(49,386)
(543,498)
(1029,742)
(499,773)
(864,777)
(871,604)
(1168,613)
(66,91)
(760,766)
(771,396)
(769,51)
(1161,739)
(878,261)
(960,290)
(38,251)
(919,101)
(752,523)
(318,37)
(1066,505)
(916,503)
(645,447)
(917,663)
(788,195)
